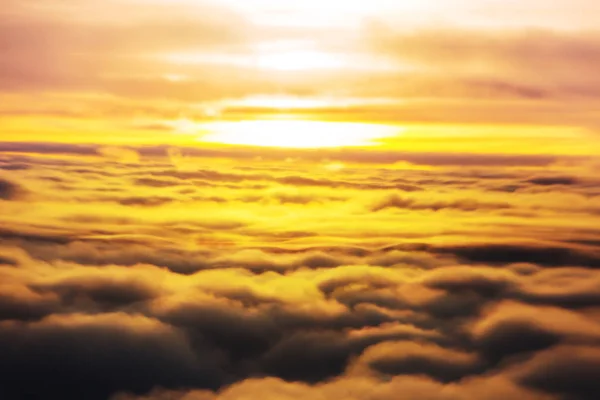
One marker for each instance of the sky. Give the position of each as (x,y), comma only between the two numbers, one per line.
(247,199)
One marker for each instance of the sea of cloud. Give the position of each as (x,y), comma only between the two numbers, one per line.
(180,275)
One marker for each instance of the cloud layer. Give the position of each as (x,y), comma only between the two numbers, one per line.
(126,274)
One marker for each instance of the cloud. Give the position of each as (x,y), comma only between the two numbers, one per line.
(8,261)
(48,148)
(512,328)
(145,201)
(553,180)
(42,359)
(536,254)
(395,201)
(103,291)
(11,191)
(120,154)
(109,43)
(364,156)
(361,388)
(19,303)
(410,358)
(234,325)
(568,370)
(511,59)
(567,288)
(295,287)
(34,236)
(154,182)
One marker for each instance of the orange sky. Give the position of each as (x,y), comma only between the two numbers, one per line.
(443,75)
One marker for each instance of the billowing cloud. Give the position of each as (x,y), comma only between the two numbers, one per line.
(127,351)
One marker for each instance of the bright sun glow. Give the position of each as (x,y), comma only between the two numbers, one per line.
(296,134)
(299,61)
(294,60)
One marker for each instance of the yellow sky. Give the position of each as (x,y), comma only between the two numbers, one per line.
(418,75)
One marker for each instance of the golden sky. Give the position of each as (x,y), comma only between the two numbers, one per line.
(483,76)
(299,200)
